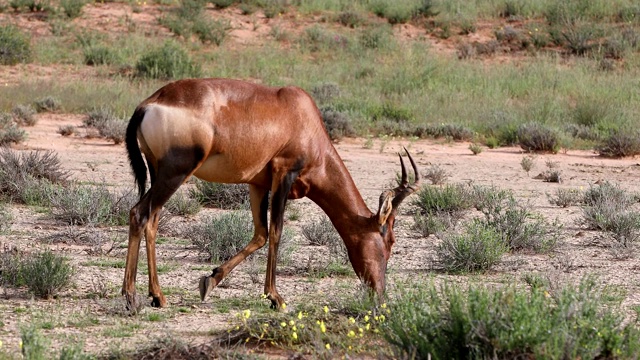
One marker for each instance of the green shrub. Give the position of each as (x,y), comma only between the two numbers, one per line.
(9,131)
(480,322)
(47,103)
(566,197)
(46,274)
(15,46)
(11,260)
(24,115)
(337,123)
(223,3)
(324,93)
(519,228)
(538,138)
(190,9)
(25,175)
(91,205)
(608,208)
(322,233)
(72,8)
(108,124)
(378,37)
(100,55)
(620,143)
(220,237)
(170,61)
(437,175)
(211,31)
(222,196)
(34,345)
(477,249)
(432,223)
(180,204)
(475,148)
(450,199)
(350,19)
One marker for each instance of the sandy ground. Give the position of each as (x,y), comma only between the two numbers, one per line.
(94,297)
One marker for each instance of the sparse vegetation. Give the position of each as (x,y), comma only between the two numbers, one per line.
(450,321)
(9,131)
(15,46)
(25,175)
(46,274)
(221,237)
(170,61)
(478,248)
(222,196)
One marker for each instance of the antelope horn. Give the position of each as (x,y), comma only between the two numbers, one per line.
(405,189)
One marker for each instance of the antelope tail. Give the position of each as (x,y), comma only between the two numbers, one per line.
(135,155)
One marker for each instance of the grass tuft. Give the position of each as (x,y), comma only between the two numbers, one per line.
(221,196)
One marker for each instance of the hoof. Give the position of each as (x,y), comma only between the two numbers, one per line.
(159,301)
(131,302)
(277,303)
(207,283)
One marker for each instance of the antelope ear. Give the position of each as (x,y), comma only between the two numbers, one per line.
(386,207)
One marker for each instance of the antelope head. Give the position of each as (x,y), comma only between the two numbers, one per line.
(370,257)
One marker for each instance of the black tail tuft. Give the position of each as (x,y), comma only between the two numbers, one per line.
(135,156)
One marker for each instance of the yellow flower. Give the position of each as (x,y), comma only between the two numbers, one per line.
(360,329)
(246,340)
(265,325)
(351,333)
(382,318)
(264,296)
(322,327)
(352,320)
(301,326)
(384,305)
(294,336)
(367,327)
(246,313)
(291,322)
(284,306)
(326,309)
(366,318)
(0,343)
(327,346)
(20,344)
(283,324)
(300,315)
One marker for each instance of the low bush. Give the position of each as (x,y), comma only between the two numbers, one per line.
(450,199)
(210,31)
(350,19)
(322,233)
(609,208)
(478,322)
(436,175)
(108,124)
(222,196)
(91,205)
(181,204)
(67,130)
(566,197)
(47,103)
(100,55)
(25,175)
(538,138)
(9,131)
(324,93)
(519,228)
(432,223)
(72,8)
(220,237)
(170,61)
(24,115)
(478,248)
(11,260)
(337,123)
(15,46)
(621,143)
(46,274)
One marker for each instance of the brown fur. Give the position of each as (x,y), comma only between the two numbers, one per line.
(270,138)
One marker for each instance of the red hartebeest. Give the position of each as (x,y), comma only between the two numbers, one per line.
(271,138)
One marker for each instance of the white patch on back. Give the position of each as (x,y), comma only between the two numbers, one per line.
(164,127)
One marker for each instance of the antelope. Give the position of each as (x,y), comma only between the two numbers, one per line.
(274,140)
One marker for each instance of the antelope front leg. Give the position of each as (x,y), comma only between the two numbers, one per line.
(154,286)
(278,203)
